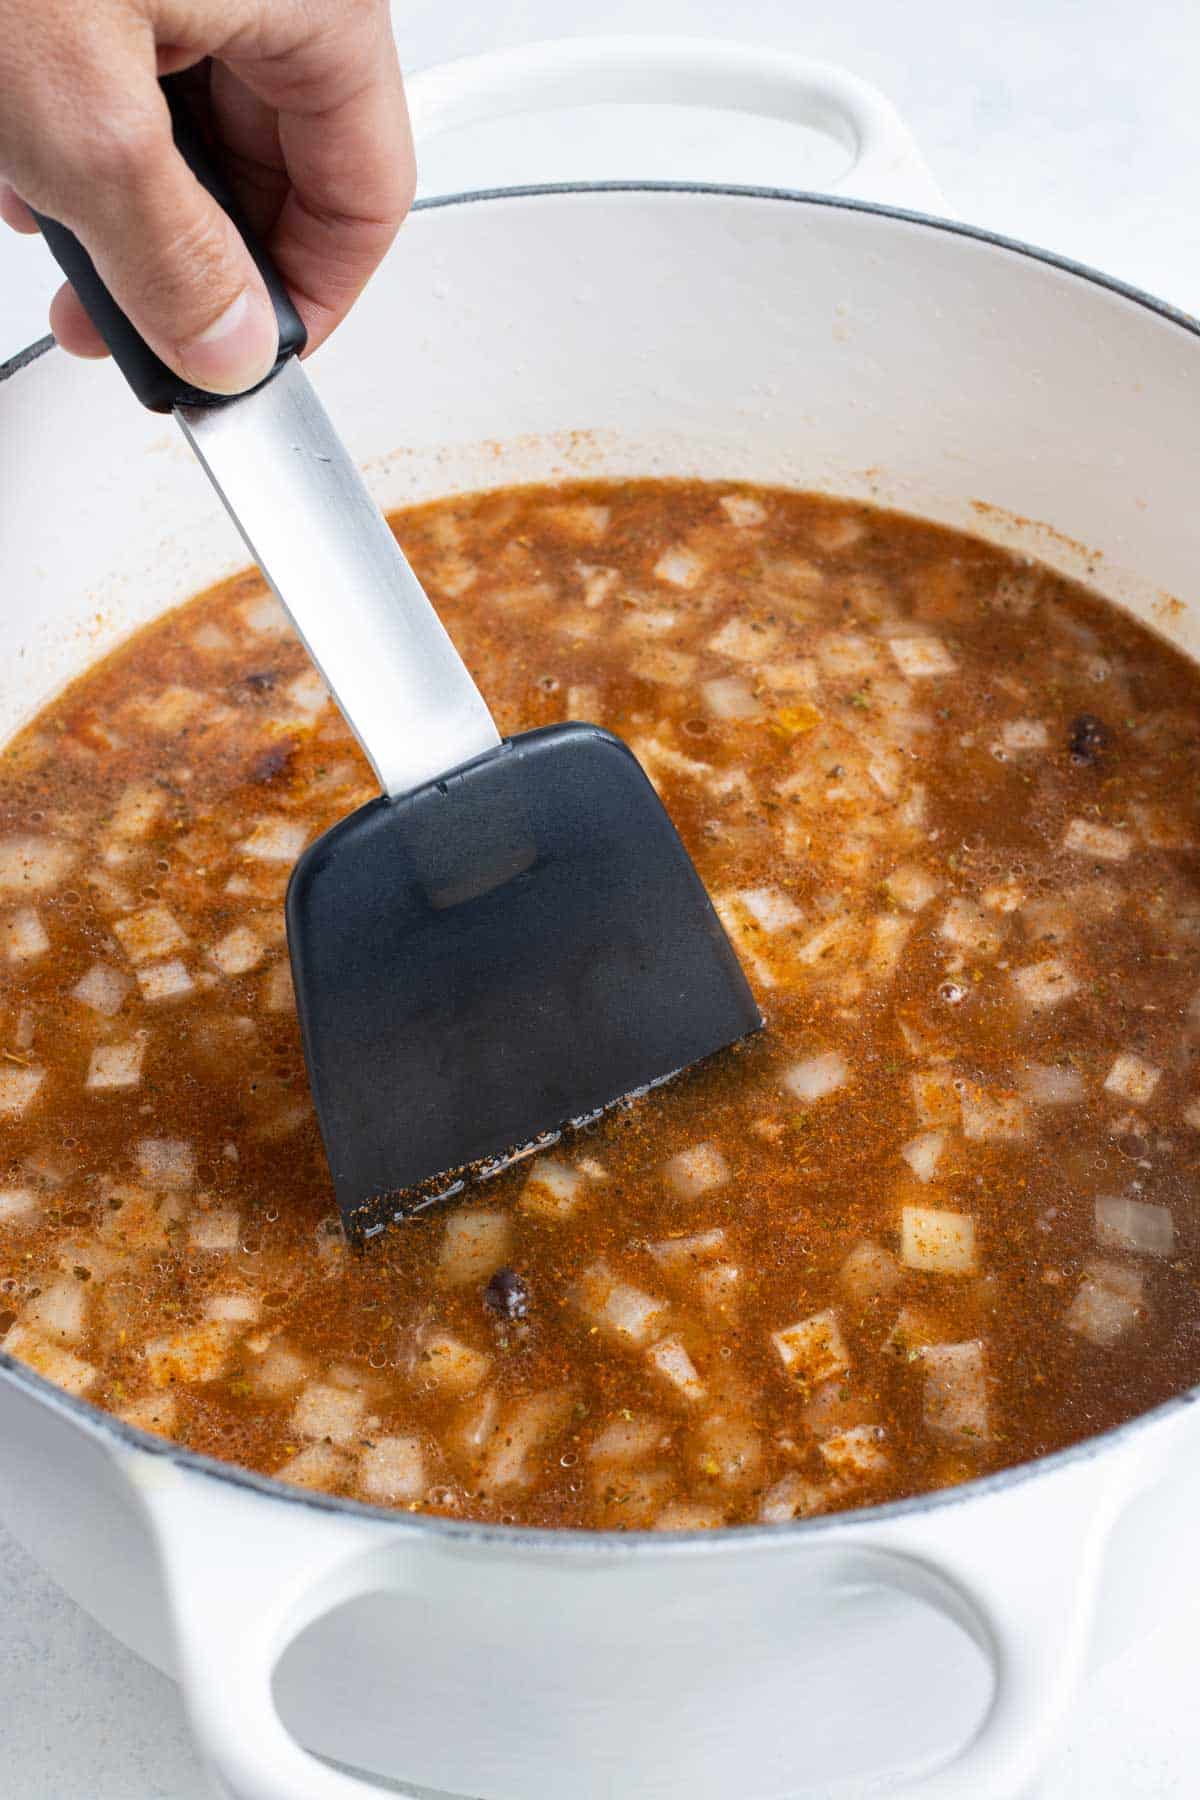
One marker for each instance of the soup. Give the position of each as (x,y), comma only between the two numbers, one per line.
(937,1218)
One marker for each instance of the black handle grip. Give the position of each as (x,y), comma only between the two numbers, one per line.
(155,385)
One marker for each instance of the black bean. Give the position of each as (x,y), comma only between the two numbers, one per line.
(262,680)
(1089,738)
(507,1294)
(271,763)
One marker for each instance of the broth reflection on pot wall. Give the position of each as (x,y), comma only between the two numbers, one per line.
(1065,400)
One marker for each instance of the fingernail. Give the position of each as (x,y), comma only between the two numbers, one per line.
(237,350)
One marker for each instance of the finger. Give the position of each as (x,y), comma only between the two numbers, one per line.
(170,256)
(247,130)
(72,327)
(347,146)
(15,213)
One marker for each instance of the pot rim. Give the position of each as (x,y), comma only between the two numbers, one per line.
(566,1541)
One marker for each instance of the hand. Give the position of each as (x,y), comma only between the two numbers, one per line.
(304,97)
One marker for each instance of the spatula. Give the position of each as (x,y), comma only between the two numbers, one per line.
(512,938)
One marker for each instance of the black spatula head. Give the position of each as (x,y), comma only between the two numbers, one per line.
(494,957)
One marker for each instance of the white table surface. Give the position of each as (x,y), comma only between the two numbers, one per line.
(1070,123)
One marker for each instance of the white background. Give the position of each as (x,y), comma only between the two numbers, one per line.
(1070,123)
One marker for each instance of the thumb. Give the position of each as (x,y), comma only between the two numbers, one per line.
(170,256)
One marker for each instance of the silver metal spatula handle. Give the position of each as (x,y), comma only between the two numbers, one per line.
(326,549)
(305,513)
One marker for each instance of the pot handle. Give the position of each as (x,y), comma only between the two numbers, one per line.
(266,1575)
(774,84)
(1019,1571)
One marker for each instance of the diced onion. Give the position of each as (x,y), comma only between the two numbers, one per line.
(968,928)
(57,1364)
(745,640)
(679,566)
(935,1096)
(918,657)
(689,1515)
(616,1307)
(474,1245)
(598,583)
(923,1153)
(671,1360)
(197,1354)
(265,617)
(716,1287)
(584,520)
(937,1240)
(993,1118)
(152,1412)
(149,935)
(671,668)
(651,622)
(552,1189)
(817,1076)
(392,1470)
(1104,841)
(956,1390)
(730,697)
(694,1172)
(59,1311)
(275,839)
(235,1309)
(627,1440)
(793,1497)
(633,1498)
(117,1065)
(509,1462)
(320,1466)
(172,708)
(728,1448)
(217,1229)
(1045,983)
(1107,1303)
(139,807)
(911,887)
(771,909)
(164,981)
(1024,734)
(1049,1084)
(1132,1078)
(451,1365)
(24,936)
(868,1273)
(308,693)
(813,1349)
(237,952)
(679,1255)
(889,935)
(103,989)
(18,1089)
(326,1412)
(858,1453)
(743,510)
(1125,1224)
(30,865)
(166,1162)
(17,1203)
(279,996)
(845,656)
(281,1371)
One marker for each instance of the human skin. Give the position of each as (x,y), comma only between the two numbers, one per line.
(306,102)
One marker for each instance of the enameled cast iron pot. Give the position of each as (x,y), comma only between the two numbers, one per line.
(767,335)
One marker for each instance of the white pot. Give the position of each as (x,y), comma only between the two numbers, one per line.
(777,337)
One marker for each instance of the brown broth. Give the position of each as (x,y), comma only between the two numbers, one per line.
(898,868)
